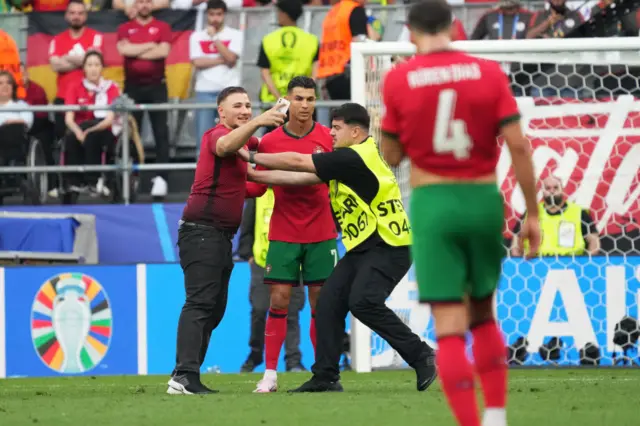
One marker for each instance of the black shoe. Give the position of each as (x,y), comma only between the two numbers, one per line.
(425,372)
(250,364)
(188,384)
(318,385)
(296,368)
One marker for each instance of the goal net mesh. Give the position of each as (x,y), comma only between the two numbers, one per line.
(580,116)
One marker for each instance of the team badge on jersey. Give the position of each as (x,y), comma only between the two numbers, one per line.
(318,149)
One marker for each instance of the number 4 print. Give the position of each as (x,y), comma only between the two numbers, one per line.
(450,135)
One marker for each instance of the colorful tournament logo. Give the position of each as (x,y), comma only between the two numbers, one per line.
(71,323)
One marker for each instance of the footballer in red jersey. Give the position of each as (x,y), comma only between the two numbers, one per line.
(444,110)
(302,234)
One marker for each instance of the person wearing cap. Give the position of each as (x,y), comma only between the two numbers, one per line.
(507,21)
(286,52)
(214,53)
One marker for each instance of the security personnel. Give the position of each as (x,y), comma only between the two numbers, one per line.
(286,52)
(253,246)
(376,233)
(346,22)
(567,228)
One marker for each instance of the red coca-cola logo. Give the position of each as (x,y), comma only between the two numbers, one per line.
(594,147)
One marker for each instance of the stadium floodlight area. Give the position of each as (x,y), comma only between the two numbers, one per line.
(577,98)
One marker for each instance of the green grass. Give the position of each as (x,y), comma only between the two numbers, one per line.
(587,397)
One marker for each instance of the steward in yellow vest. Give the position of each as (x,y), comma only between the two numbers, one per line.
(366,200)
(567,229)
(286,52)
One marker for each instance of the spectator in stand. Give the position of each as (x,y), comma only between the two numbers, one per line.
(286,52)
(66,54)
(145,43)
(458,32)
(13,125)
(42,128)
(346,22)
(10,61)
(567,229)
(130,9)
(215,53)
(90,133)
(555,80)
(508,21)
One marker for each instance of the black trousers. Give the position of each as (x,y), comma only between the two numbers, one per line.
(361,283)
(153,94)
(259,296)
(60,128)
(88,152)
(339,87)
(206,260)
(14,143)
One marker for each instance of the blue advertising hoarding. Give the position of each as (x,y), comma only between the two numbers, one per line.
(70,320)
(230,341)
(92,312)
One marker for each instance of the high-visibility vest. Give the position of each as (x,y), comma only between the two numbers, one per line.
(335,48)
(291,51)
(264,209)
(10,61)
(385,214)
(561,233)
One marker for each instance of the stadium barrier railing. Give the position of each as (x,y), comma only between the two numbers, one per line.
(123,106)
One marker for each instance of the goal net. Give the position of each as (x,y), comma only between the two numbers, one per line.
(579,111)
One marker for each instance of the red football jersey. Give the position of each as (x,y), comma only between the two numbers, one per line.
(301,214)
(447,109)
(64,44)
(78,94)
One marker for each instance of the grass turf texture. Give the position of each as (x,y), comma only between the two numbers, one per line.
(585,397)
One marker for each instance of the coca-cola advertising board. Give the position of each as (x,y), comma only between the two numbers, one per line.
(593,147)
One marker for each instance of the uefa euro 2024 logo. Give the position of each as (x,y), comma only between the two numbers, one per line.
(71,323)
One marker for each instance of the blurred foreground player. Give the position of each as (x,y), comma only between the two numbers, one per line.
(302,234)
(444,110)
(209,221)
(366,200)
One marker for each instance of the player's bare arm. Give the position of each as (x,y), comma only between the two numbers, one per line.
(520,151)
(279,177)
(392,151)
(288,161)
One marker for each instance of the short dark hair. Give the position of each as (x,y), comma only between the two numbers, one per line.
(301,81)
(430,16)
(81,2)
(293,8)
(93,53)
(353,114)
(217,4)
(228,91)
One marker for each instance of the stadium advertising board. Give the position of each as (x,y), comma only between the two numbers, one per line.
(88,321)
(578,300)
(70,320)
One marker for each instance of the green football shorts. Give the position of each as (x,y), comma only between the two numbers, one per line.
(457,240)
(287,262)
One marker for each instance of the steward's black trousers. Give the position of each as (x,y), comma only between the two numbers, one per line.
(205,257)
(361,283)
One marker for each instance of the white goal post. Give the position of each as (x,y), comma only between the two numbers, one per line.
(587,133)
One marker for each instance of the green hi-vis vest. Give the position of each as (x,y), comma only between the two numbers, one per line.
(290,51)
(359,220)
(264,209)
(561,233)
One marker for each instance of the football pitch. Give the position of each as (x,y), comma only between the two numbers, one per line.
(580,397)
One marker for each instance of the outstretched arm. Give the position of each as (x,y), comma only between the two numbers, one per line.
(291,161)
(278,177)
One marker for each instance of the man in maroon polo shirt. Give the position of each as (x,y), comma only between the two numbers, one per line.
(210,219)
(145,43)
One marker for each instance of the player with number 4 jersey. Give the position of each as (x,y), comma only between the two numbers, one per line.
(445,110)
